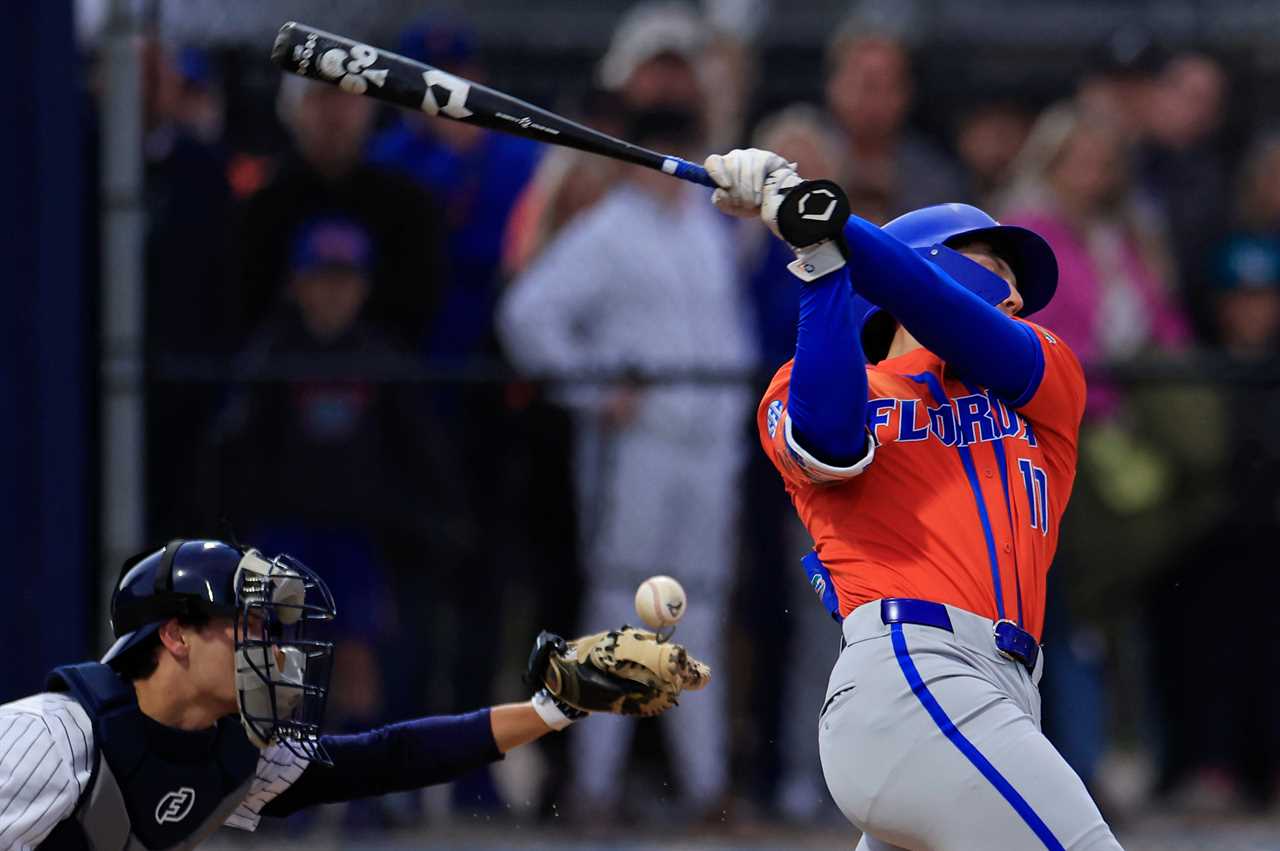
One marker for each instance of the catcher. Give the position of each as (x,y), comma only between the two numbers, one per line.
(207,710)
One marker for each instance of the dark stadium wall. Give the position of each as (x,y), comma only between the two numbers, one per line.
(47,580)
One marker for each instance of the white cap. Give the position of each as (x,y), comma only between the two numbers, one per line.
(649,30)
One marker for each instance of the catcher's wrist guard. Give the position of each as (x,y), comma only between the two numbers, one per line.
(626,671)
(555,712)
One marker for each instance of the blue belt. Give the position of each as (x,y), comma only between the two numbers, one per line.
(1011,640)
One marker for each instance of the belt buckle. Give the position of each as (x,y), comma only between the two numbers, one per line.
(995,636)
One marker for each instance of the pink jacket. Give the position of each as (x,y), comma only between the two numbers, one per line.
(1074,310)
(1076,307)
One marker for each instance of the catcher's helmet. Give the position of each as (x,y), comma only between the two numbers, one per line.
(184,579)
(281,672)
(934,232)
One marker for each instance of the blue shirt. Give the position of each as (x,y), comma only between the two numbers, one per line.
(478,189)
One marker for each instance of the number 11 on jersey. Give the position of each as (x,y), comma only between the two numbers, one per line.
(1037,484)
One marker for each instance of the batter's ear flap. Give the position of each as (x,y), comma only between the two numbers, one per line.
(877,336)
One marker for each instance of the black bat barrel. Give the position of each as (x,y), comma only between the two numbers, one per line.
(364,70)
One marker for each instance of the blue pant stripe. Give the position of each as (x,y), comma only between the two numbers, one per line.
(971,753)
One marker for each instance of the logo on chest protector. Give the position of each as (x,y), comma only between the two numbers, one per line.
(176,805)
(819,585)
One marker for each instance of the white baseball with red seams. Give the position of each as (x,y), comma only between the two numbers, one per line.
(660,602)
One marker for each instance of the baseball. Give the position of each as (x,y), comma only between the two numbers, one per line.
(660,602)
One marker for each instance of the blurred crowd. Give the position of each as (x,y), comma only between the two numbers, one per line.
(486,387)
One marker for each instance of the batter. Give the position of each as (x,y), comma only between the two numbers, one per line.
(926,432)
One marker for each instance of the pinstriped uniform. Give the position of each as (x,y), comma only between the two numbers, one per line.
(46,762)
(44,766)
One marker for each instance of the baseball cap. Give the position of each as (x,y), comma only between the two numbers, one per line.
(647,31)
(331,242)
(1248,262)
(194,66)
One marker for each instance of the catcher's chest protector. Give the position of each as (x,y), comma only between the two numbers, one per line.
(153,787)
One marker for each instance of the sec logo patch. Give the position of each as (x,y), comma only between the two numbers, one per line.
(775,414)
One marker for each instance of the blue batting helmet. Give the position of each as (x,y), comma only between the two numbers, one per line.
(935,232)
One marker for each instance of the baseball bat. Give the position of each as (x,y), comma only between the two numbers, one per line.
(381,74)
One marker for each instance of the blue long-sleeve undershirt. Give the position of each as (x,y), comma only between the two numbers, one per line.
(828,393)
(982,344)
(394,758)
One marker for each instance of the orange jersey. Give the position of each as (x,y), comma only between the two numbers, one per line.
(962,495)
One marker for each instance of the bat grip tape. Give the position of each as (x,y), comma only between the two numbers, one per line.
(686,170)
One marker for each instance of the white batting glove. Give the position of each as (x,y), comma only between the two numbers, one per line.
(754,181)
(741,176)
(777,185)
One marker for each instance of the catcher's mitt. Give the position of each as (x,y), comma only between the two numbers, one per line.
(626,671)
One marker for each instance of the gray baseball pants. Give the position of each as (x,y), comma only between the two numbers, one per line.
(931,740)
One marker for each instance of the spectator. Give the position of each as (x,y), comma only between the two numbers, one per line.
(476,174)
(1183,168)
(1222,743)
(1073,186)
(333,462)
(1258,209)
(889,169)
(1222,739)
(729,67)
(202,109)
(1120,83)
(777,605)
(566,183)
(1248,297)
(325,175)
(1114,301)
(988,136)
(186,245)
(645,282)
(540,430)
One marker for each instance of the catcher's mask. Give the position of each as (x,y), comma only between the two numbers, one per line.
(281,674)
